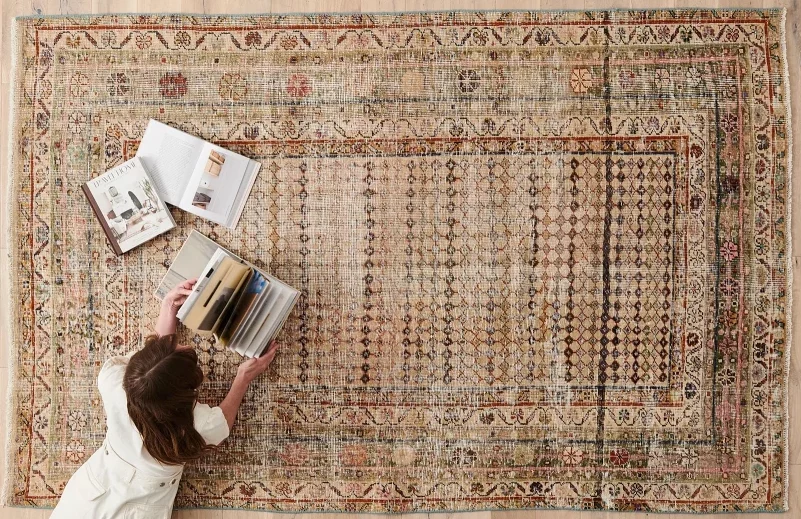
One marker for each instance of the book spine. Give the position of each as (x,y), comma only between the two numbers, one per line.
(102,218)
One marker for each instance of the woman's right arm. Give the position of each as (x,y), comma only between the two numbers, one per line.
(245,374)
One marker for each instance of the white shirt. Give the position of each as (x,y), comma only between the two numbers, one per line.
(124,437)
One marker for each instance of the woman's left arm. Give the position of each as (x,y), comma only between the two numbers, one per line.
(167,321)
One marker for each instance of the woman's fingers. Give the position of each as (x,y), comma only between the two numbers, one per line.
(269,354)
(267,358)
(272,349)
(179,295)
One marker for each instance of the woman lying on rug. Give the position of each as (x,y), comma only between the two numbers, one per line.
(155,425)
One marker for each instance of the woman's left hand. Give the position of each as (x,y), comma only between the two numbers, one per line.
(176,297)
(167,321)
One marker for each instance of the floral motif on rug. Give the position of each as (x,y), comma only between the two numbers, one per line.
(543,255)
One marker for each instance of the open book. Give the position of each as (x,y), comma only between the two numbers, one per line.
(197,176)
(243,307)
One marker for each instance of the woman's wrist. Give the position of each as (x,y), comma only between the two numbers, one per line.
(230,405)
(242,379)
(167,320)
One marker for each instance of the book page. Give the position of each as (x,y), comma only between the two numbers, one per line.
(244,192)
(229,307)
(195,254)
(247,302)
(214,291)
(247,331)
(275,320)
(276,327)
(202,280)
(290,305)
(169,155)
(267,328)
(215,182)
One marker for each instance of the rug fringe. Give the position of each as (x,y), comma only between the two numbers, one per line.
(790,261)
(11,278)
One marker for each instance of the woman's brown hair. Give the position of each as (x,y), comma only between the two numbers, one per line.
(161,383)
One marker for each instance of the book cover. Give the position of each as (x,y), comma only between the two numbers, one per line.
(127,206)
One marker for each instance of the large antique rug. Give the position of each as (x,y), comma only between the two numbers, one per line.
(543,255)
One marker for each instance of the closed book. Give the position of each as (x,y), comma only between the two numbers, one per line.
(127,205)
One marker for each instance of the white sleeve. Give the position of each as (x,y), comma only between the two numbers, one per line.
(210,422)
(113,366)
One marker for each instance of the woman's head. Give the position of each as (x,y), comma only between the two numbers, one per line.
(161,383)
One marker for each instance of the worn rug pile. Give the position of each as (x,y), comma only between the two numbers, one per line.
(543,255)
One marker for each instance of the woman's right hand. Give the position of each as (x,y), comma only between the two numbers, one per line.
(252,368)
(245,373)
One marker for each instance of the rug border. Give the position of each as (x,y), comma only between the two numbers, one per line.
(12,255)
(790,262)
(429,11)
(10,278)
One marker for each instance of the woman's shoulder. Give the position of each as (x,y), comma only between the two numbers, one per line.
(113,368)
